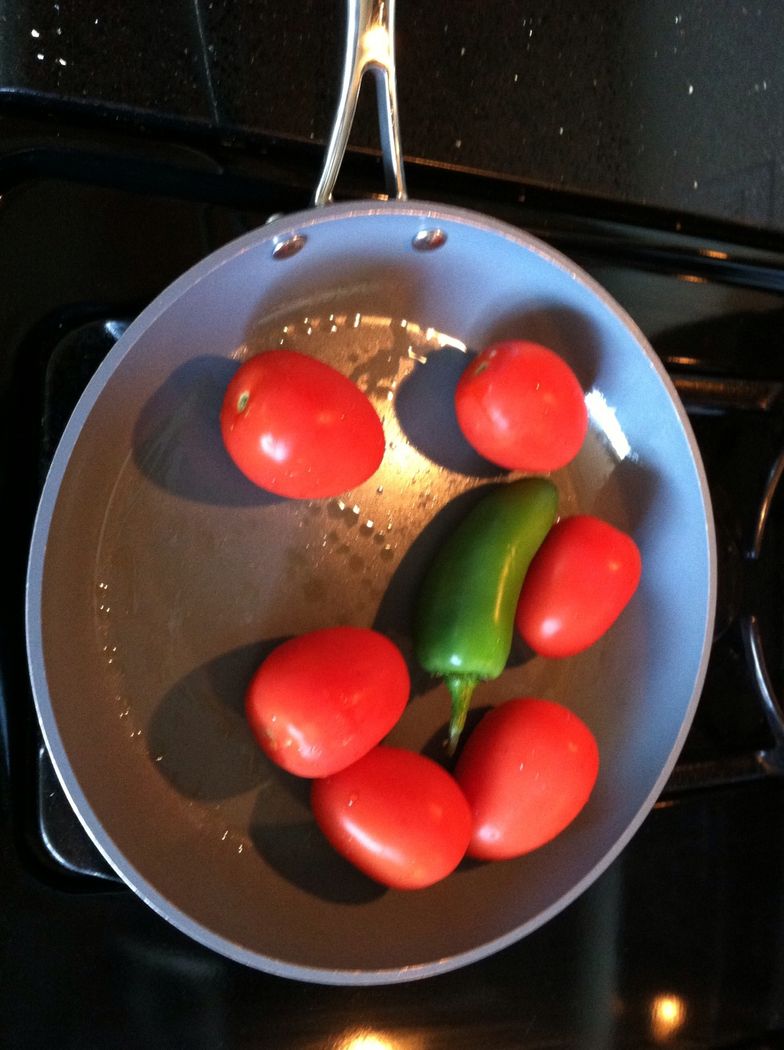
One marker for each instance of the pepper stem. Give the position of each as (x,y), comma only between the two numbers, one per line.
(461,688)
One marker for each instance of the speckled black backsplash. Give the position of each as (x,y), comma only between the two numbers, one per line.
(674,104)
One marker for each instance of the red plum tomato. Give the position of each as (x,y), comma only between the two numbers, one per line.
(527,770)
(579,582)
(298,428)
(321,700)
(521,406)
(397,816)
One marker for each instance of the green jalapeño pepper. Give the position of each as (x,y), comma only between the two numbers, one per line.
(466,607)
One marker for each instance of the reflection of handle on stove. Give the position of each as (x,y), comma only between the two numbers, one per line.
(369,47)
(772,706)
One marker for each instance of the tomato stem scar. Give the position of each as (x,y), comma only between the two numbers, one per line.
(242,400)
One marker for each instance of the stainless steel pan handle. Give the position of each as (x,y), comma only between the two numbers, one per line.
(369,47)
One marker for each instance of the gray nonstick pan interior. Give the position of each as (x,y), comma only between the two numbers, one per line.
(159,577)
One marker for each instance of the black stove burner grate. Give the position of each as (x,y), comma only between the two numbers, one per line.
(736,422)
(714,314)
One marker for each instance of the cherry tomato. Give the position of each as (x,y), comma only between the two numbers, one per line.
(521,406)
(577,585)
(396,815)
(322,700)
(527,770)
(298,428)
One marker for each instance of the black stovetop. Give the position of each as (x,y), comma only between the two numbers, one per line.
(681,941)
(677,103)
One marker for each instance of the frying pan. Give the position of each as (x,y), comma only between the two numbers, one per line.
(159,577)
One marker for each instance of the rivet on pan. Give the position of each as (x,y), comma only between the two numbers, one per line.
(428,240)
(291,245)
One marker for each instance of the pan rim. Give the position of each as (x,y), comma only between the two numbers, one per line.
(273,233)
